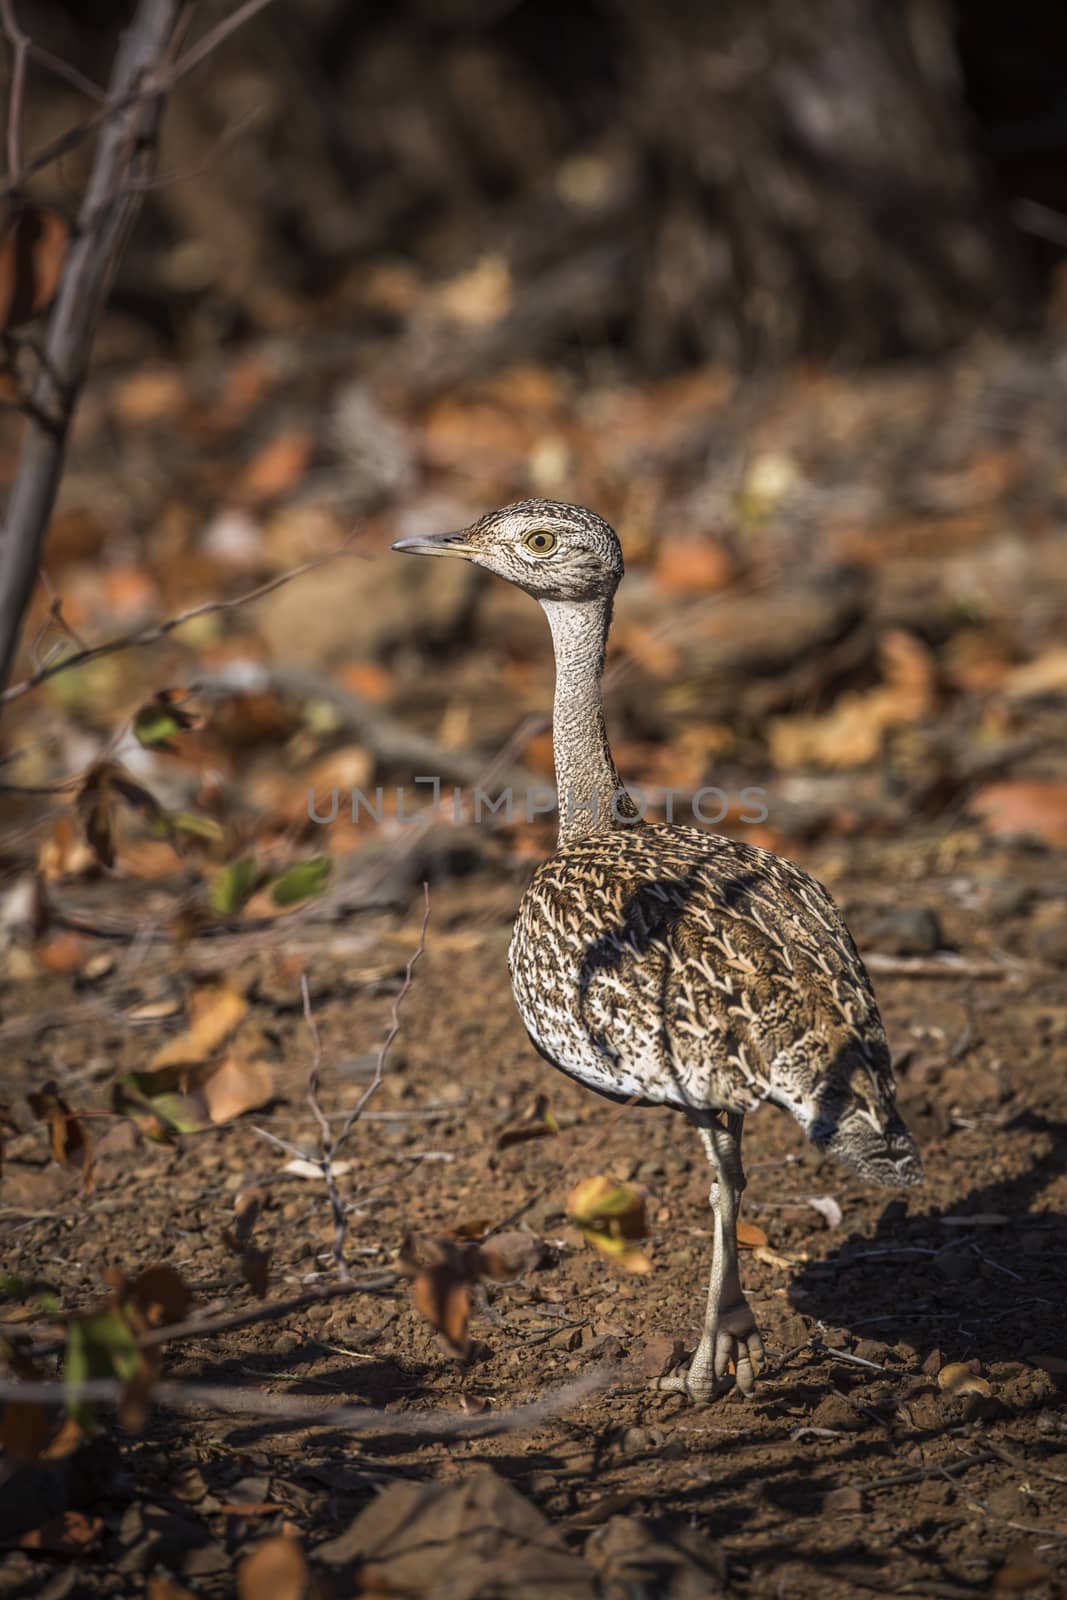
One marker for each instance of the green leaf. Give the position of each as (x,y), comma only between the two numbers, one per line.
(307,878)
(98,1346)
(234,885)
(161,1115)
(153,725)
(191,822)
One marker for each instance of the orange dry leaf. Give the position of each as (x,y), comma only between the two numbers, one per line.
(1034,808)
(151,395)
(63,952)
(693,566)
(68,1534)
(160,1295)
(442,1295)
(33,252)
(278,467)
(749,1236)
(444,1270)
(130,592)
(366,679)
(70,1143)
(216,1009)
(851,732)
(24,1431)
(238,1086)
(163,1587)
(25,1428)
(276,1570)
(64,853)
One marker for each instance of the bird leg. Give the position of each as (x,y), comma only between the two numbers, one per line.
(730,1332)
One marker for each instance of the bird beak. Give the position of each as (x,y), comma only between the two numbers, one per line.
(435,544)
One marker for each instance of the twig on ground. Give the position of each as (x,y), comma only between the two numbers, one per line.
(271,1311)
(325,1162)
(923,1473)
(394,1028)
(946,966)
(297,1411)
(980,1505)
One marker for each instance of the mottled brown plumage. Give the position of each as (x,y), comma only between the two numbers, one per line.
(665,965)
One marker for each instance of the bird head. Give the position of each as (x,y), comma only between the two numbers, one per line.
(553,551)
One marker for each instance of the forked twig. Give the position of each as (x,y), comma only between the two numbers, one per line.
(328,1145)
(394,1028)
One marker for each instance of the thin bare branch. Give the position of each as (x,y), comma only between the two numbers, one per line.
(394,1028)
(298,1411)
(20,45)
(216,36)
(337,1205)
(153,632)
(107,210)
(68,72)
(146,67)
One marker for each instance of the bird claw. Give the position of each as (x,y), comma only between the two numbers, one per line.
(736,1343)
(682,1381)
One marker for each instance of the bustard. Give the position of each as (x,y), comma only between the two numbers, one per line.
(669,966)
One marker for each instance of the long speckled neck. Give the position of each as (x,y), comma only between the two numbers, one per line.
(591,795)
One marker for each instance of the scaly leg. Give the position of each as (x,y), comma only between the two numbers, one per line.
(730,1332)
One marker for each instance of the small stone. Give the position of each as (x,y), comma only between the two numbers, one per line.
(844,1499)
(955,1265)
(906,931)
(638,1441)
(871,1350)
(658,1357)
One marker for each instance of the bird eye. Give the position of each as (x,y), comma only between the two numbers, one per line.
(540,543)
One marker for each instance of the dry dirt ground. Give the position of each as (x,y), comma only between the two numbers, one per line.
(851,1472)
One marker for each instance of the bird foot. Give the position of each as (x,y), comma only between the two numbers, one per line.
(735,1342)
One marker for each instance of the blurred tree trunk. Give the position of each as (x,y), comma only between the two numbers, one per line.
(809,182)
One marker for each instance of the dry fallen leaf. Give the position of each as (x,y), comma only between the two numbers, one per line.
(958,1379)
(236,1087)
(277,1569)
(537,1122)
(509,1255)
(1023,808)
(749,1235)
(828,1209)
(32,255)
(163,1587)
(67,1136)
(215,1011)
(278,468)
(851,732)
(611,1216)
(160,1294)
(71,1533)
(1023,1571)
(771,1258)
(299,1168)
